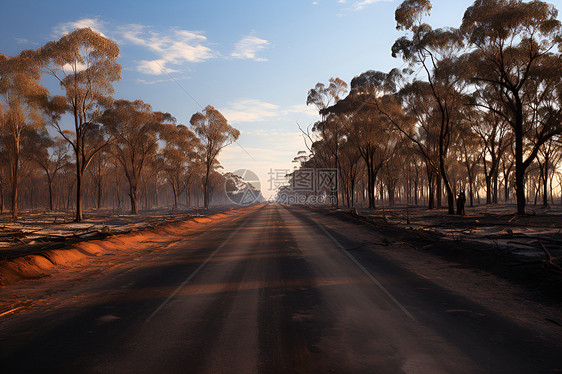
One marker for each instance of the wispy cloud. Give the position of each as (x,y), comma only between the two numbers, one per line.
(70,69)
(67,27)
(154,67)
(250,110)
(308,110)
(170,49)
(22,40)
(254,110)
(358,5)
(173,48)
(156,81)
(248,47)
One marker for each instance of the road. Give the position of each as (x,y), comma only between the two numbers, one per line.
(273,291)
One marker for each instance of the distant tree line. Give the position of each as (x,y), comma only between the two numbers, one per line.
(116,148)
(478,108)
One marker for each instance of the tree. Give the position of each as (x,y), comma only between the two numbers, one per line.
(322,96)
(494,140)
(178,155)
(418,102)
(470,150)
(192,178)
(154,176)
(52,156)
(547,160)
(215,134)
(85,64)
(434,51)
(135,128)
(513,43)
(366,125)
(4,170)
(98,175)
(21,100)
(350,170)
(330,127)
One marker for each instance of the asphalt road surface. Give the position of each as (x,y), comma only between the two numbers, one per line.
(273,291)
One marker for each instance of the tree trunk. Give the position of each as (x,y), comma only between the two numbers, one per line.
(391,191)
(469,172)
(156,200)
(450,199)
(430,187)
(519,167)
(149,202)
(77,150)
(15,193)
(520,187)
(133,196)
(488,189)
(206,189)
(50,182)
(470,186)
(335,186)
(68,196)
(15,175)
(495,185)
(1,198)
(370,185)
(175,196)
(78,191)
(545,183)
(443,170)
(551,182)
(438,200)
(488,179)
(506,184)
(98,200)
(118,194)
(537,190)
(352,192)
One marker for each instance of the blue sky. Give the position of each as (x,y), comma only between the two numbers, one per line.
(253,60)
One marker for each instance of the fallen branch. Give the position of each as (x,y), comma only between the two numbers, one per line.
(521,243)
(9,311)
(550,262)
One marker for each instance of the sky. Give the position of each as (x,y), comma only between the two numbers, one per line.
(252,60)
